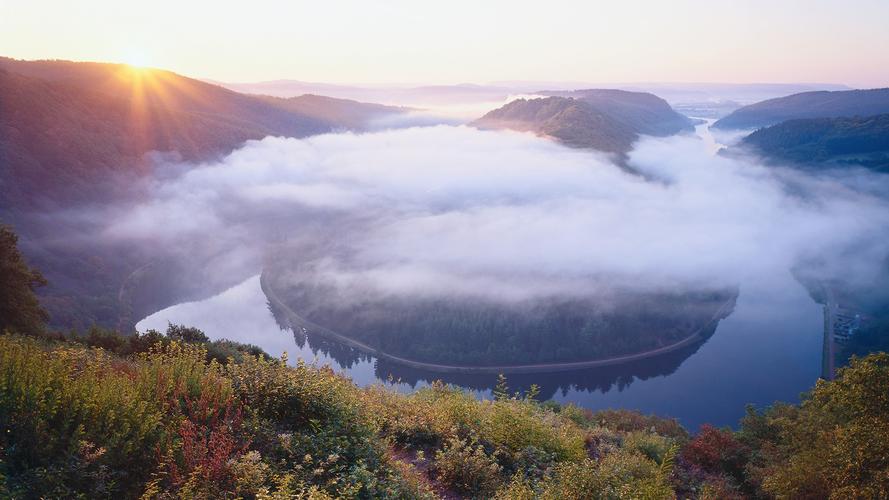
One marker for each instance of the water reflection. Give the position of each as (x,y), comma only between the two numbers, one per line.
(768,349)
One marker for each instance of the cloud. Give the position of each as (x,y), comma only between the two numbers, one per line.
(509,216)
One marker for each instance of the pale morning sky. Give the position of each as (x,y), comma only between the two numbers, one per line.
(453,41)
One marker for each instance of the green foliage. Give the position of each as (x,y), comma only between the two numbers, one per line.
(467,467)
(187,334)
(619,475)
(19,308)
(629,421)
(856,140)
(75,420)
(837,444)
(171,421)
(223,351)
(168,423)
(501,390)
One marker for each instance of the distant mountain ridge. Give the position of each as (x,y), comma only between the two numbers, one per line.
(65,125)
(337,113)
(602,119)
(571,121)
(402,95)
(644,112)
(820,104)
(420,95)
(839,141)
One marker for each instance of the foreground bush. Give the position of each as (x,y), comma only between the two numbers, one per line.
(172,421)
(168,423)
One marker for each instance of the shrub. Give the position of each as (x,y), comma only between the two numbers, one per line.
(717,451)
(837,443)
(186,334)
(167,424)
(652,446)
(465,466)
(517,424)
(108,340)
(72,417)
(619,475)
(629,421)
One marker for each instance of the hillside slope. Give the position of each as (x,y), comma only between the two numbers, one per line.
(571,121)
(822,104)
(337,113)
(859,140)
(643,112)
(78,137)
(67,127)
(606,120)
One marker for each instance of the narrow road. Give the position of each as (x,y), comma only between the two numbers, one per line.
(828,364)
(299,322)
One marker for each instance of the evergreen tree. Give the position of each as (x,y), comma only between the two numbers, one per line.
(501,390)
(19,308)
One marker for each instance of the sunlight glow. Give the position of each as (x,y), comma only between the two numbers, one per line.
(465,41)
(137,60)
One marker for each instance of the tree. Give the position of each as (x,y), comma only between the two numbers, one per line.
(501,390)
(837,443)
(20,309)
(186,334)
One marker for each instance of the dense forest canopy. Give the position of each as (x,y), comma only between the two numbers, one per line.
(833,141)
(818,104)
(603,119)
(477,331)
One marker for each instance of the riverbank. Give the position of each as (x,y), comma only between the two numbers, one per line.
(297,321)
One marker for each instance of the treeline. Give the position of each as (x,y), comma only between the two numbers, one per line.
(478,332)
(862,140)
(223,351)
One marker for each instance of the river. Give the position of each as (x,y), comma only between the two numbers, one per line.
(768,349)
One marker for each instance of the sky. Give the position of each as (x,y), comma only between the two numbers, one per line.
(459,41)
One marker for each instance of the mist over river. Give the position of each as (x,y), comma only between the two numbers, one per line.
(767,350)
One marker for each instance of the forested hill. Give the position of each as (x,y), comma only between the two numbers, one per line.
(66,126)
(571,121)
(606,120)
(643,112)
(821,104)
(337,113)
(858,140)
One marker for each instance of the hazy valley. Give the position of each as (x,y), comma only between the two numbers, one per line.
(250,283)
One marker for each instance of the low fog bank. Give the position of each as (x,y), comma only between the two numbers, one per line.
(454,211)
(426,114)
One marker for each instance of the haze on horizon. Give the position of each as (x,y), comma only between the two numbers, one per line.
(401,41)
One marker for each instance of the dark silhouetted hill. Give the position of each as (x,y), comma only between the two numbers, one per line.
(606,120)
(571,121)
(857,140)
(337,113)
(822,104)
(66,127)
(76,137)
(645,113)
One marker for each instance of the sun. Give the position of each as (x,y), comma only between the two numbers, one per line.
(137,61)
